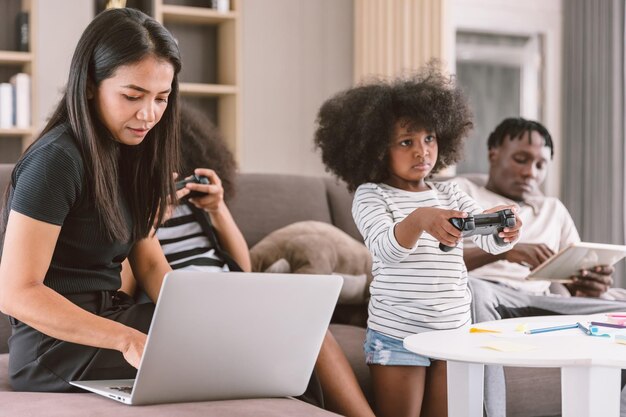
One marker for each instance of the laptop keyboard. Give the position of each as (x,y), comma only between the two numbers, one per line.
(126,390)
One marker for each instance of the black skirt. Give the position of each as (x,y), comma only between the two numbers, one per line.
(41,363)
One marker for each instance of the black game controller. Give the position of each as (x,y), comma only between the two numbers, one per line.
(195,179)
(482,224)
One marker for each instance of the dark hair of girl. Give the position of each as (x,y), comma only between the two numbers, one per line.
(202,146)
(355,127)
(114,38)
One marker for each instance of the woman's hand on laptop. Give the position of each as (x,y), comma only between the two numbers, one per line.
(134,346)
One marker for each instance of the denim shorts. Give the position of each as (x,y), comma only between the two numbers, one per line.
(384,350)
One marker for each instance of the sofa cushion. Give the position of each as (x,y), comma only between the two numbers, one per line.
(33,404)
(312,247)
(4,373)
(26,404)
(533,392)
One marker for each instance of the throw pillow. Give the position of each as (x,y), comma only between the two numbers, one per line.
(312,247)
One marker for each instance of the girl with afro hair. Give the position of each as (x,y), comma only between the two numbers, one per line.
(385,139)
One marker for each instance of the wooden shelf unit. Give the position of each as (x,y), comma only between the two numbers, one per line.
(15,58)
(12,62)
(195,15)
(16,131)
(223,83)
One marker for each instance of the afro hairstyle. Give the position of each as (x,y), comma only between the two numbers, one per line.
(202,146)
(354,128)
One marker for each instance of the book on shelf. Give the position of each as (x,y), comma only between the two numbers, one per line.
(23,31)
(6,106)
(221,6)
(21,99)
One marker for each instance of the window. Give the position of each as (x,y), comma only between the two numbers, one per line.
(501,75)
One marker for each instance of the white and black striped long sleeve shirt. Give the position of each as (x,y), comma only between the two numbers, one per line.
(185,244)
(422,288)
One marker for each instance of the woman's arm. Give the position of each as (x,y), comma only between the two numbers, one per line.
(228,232)
(24,296)
(148,265)
(230,237)
(129,285)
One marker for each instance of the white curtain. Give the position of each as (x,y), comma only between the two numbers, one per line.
(594,151)
(395,37)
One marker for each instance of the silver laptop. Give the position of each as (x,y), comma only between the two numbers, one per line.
(218,336)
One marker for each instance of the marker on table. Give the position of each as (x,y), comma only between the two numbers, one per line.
(614,325)
(551,329)
(617,318)
(592,330)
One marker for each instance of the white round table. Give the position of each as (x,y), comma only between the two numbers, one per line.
(590,366)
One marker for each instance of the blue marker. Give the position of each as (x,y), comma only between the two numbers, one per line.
(552,329)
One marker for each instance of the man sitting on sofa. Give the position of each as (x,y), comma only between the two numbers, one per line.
(520,153)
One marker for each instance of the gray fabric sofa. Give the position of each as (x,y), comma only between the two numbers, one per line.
(264,203)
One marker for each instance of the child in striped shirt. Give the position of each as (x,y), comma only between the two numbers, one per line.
(384,140)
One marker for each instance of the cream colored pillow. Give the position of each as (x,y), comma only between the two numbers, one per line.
(312,247)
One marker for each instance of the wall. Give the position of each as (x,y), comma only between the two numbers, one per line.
(295,54)
(59,25)
(61,22)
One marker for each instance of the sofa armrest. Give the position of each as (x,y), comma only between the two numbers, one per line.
(340,206)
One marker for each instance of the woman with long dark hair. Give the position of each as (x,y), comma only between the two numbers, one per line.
(83,198)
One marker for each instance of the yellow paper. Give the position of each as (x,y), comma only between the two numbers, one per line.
(506,346)
(621,339)
(479,330)
(521,328)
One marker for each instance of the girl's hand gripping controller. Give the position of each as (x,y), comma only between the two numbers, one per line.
(482,224)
